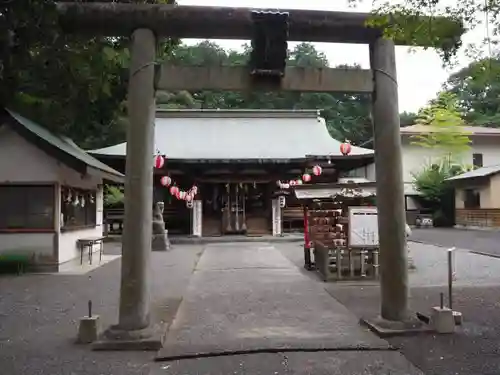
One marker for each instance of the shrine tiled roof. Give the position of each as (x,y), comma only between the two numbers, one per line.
(59,147)
(245,135)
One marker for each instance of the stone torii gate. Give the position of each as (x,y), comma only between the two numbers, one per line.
(146,23)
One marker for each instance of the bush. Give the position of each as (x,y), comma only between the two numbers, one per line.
(113,196)
(437,193)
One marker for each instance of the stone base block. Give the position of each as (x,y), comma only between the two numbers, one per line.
(160,242)
(117,339)
(389,328)
(89,329)
(442,320)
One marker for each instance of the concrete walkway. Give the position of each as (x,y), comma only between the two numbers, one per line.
(252,305)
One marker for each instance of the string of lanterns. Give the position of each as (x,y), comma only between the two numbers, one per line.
(188,196)
(306,177)
(345,149)
(175,191)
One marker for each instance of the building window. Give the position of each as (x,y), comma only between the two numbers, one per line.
(27,208)
(477,160)
(78,208)
(472,199)
(355,173)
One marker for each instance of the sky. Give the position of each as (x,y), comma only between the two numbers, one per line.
(420,73)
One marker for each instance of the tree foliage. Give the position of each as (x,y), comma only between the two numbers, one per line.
(442,127)
(76,86)
(402,20)
(71,84)
(113,196)
(442,131)
(347,115)
(477,88)
(435,191)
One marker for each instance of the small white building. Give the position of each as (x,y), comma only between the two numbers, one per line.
(51,193)
(484,151)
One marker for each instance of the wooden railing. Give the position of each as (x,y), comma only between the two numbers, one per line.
(335,264)
(482,217)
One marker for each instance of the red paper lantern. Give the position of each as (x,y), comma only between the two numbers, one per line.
(189,198)
(306,177)
(165,181)
(159,161)
(345,148)
(174,190)
(317,170)
(298,182)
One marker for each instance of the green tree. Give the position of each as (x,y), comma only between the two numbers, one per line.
(71,84)
(407,118)
(435,191)
(442,131)
(442,127)
(401,20)
(347,115)
(477,88)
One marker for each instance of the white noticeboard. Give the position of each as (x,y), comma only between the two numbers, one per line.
(363,227)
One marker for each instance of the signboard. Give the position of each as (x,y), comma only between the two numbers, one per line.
(363,227)
(197,218)
(276,211)
(282,201)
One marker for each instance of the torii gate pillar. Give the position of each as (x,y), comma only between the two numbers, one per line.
(390,188)
(133,328)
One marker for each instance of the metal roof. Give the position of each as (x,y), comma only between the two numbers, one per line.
(476,173)
(472,130)
(65,145)
(240,135)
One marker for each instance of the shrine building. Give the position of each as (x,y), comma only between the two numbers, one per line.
(235,158)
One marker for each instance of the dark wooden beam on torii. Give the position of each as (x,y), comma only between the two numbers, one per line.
(210,22)
(146,23)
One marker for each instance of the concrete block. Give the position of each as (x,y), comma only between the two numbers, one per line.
(457,315)
(160,242)
(442,320)
(386,328)
(89,329)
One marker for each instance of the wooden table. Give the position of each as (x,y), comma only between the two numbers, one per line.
(89,243)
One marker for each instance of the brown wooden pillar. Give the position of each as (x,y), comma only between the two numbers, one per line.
(390,193)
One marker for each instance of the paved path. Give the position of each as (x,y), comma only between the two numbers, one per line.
(477,240)
(250,298)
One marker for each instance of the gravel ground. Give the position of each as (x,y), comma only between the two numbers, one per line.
(39,313)
(475,348)
(39,316)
